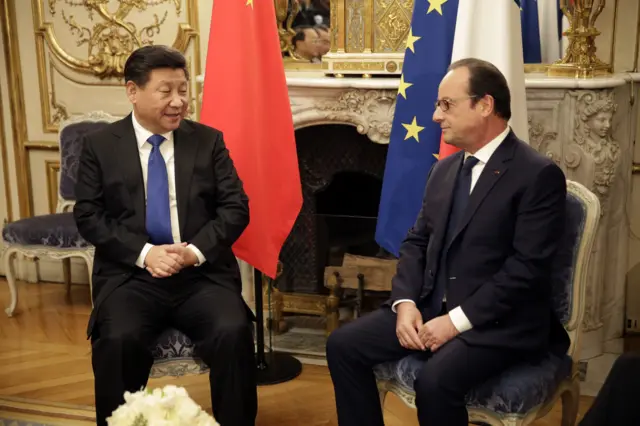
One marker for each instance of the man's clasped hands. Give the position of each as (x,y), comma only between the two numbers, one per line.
(414,334)
(166,260)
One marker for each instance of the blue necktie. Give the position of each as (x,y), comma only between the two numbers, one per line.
(158,216)
(458,206)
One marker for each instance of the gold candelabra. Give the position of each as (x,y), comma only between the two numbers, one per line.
(580,60)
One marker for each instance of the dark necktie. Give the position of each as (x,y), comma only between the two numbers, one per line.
(460,197)
(158,215)
(459,203)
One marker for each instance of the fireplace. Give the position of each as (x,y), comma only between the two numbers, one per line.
(341,173)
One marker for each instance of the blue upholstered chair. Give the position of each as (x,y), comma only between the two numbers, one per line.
(527,391)
(174,356)
(55,235)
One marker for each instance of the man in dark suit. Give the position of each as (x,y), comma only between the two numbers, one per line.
(472,288)
(159,198)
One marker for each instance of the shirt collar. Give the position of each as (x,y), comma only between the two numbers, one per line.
(485,153)
(142,134)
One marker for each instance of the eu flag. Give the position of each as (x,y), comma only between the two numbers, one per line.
(415,139)
(531,49)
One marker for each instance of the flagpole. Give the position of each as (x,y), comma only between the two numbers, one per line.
(272,367)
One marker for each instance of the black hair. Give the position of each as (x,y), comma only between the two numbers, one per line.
(486,79)
(148,58)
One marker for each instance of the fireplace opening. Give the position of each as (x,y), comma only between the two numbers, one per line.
(346,215)
(341,172)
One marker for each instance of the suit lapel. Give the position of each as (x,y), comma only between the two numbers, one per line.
(185,148)
(447,187)
(129,162)
(493,171)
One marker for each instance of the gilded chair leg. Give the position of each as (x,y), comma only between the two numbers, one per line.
(383,395)
(10,272)
(66,274)
(570,404)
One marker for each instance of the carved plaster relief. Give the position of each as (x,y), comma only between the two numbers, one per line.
(370,111)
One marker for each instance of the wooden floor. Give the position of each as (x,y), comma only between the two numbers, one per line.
(45,357)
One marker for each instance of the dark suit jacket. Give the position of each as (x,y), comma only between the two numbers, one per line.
(499,261)
(110,208)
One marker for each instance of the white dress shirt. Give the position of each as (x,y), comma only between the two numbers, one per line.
(167,151)
(458,318)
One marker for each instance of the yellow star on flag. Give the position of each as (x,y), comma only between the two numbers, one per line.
(411,39)
(412,130)
(436,5)
(249,3)
(403,86)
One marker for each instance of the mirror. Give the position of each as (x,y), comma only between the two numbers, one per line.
(303,27)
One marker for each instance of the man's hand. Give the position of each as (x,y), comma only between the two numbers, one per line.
(161,263)
(166,260)
(407,325)
(436,332)
(189,258)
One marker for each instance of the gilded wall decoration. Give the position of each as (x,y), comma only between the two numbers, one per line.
(109,37)
(87,42)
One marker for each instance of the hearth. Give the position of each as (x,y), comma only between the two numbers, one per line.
(341,172)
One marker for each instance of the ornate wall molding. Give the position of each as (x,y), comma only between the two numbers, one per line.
(105,32)
(5,163)
(52,168)
(8,26)
(107,38)
(110,37)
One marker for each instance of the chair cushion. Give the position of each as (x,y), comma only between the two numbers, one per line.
(515,391)
(52,230)
(173,344)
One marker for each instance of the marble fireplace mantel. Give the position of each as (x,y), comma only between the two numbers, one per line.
(586,125)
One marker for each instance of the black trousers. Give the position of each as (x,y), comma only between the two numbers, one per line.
(616,403)
(441,386)
(215,318)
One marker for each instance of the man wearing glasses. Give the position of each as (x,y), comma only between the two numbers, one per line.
(472,289)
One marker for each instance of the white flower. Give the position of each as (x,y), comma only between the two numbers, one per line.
(169,406)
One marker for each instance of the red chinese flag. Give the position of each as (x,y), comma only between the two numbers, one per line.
(446,149)
(245,96)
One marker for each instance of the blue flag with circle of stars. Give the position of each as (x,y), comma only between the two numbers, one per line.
(415,138)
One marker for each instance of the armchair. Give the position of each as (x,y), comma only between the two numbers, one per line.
(527,392)
(55,235)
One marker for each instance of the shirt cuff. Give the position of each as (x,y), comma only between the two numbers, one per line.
(397,302)
(199,255)
(460,320)
(143,255)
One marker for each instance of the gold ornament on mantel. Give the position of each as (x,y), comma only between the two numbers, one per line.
(580,60)
(368,37)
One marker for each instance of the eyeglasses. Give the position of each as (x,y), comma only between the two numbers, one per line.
(445,104)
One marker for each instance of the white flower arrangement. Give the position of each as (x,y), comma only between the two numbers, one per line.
(169,406)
